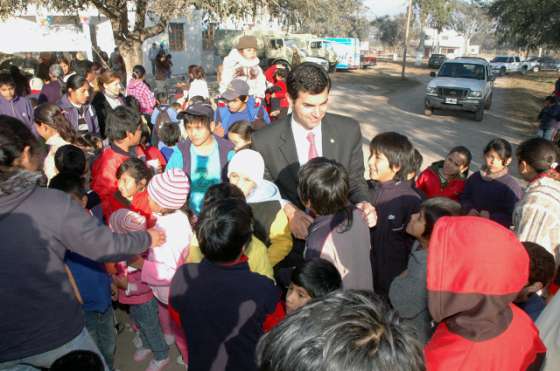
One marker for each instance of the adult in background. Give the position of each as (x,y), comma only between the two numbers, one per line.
(116,62)
(108,98)
(41,320)
(52,90)
(152,55)
(307,133)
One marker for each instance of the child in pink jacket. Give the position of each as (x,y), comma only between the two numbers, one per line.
(138,295)
(167,194)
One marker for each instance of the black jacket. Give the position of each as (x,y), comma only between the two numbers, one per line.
(39,312)
(102,108)
(342,142)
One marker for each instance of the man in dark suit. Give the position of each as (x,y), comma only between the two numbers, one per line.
(307,133)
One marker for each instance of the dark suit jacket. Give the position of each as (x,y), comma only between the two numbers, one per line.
(342,142)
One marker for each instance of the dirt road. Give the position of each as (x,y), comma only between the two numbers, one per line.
(380,101)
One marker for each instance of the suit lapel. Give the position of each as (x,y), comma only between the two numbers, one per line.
(287,144)
(328,133)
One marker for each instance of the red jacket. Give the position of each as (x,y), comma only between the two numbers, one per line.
(431,183)
(152,153)
(476,268)
(281,93)
(104,172)
(139,205)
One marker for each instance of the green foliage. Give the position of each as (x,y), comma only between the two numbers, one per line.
(527,23)
(437,13)
(390,30)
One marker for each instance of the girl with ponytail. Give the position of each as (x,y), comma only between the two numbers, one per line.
(536,216)
(140,90)
(53,127)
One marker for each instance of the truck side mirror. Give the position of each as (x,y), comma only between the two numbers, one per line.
(432,74)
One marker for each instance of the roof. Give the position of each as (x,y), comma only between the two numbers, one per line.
(473,60)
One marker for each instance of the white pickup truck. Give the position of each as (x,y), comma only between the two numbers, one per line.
(510,64)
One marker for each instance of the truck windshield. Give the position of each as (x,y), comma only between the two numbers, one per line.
(462,70)
(500,60)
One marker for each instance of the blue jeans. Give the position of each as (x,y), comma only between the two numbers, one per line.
(44,360)
(146,317)
(545,133)
(101,327)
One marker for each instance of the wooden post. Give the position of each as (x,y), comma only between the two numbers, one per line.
(408,16)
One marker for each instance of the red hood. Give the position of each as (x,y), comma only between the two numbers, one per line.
(476,268)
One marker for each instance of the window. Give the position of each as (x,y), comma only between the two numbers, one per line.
(315,45)
(276,43)
(176,37)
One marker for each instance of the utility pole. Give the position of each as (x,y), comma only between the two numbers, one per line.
(407,29)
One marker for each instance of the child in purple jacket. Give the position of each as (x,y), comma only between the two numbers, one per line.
(14,105)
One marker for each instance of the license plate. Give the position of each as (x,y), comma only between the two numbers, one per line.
(451,100)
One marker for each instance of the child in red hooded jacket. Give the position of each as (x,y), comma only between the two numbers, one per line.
(471,292)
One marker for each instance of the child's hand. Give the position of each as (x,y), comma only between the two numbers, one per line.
(484,214)
(120,281)
(137,263)
(298,221)
(370,215)
(157,236)
(473,212)
(274,113)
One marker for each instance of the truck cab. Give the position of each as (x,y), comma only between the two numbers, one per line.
(506,64)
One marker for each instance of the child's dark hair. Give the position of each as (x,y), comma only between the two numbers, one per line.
(14,138)
(120,121)
(224,229)
(7,79)
(242,128)
(398,150)
(190,119)
(415,163)
(70,159)
(282,73)
(551,99)
(51,115)
(83,360)
(133,103)
(84,67)
(75,82)
(222,191)
(162,97)
(324,184)
(541,154)
(435,208)
(169,133)
(146,135)
(197,72)
(136,169)
(463,151)
(318,277)
(541,264)
(502,147)
(198,99)
(70,183)
(138,72)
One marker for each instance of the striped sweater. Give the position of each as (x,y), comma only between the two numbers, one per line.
(537,215)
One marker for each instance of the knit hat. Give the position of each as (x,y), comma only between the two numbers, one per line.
(124,220)
(235,89)
(247,42)
(169,189)
(248,163)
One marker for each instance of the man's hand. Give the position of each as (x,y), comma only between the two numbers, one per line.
(370,215)
(298,221)
(157,236)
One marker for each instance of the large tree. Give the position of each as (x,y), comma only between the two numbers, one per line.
(390,30)
(528,24)
(469,18)
(437,14)
(128,17)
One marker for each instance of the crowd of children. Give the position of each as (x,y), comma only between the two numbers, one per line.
(196,234)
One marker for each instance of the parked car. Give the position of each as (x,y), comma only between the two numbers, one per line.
(506,64)
(367,60)
(547,64)
(461,85)
(436,60)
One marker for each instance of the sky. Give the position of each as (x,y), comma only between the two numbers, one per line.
(380,8)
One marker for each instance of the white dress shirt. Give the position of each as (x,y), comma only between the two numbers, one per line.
(302,144)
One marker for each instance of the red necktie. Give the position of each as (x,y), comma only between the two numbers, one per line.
(312,148)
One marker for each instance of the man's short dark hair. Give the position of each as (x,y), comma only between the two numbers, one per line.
(398,150)
(324,183)
(82,68)
(224,229)
(345,330)
(541,264)
(70,159)
(318,277)
(121,121)
(308,78)
(169,133)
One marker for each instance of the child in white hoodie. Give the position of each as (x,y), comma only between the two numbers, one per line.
(246,171)
(167,194)
(242,63)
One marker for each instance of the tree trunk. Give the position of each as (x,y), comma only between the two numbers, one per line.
(132,54)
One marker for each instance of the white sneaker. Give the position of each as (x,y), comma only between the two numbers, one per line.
(141,354)
(157,365)
(137,341)
(169,339)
